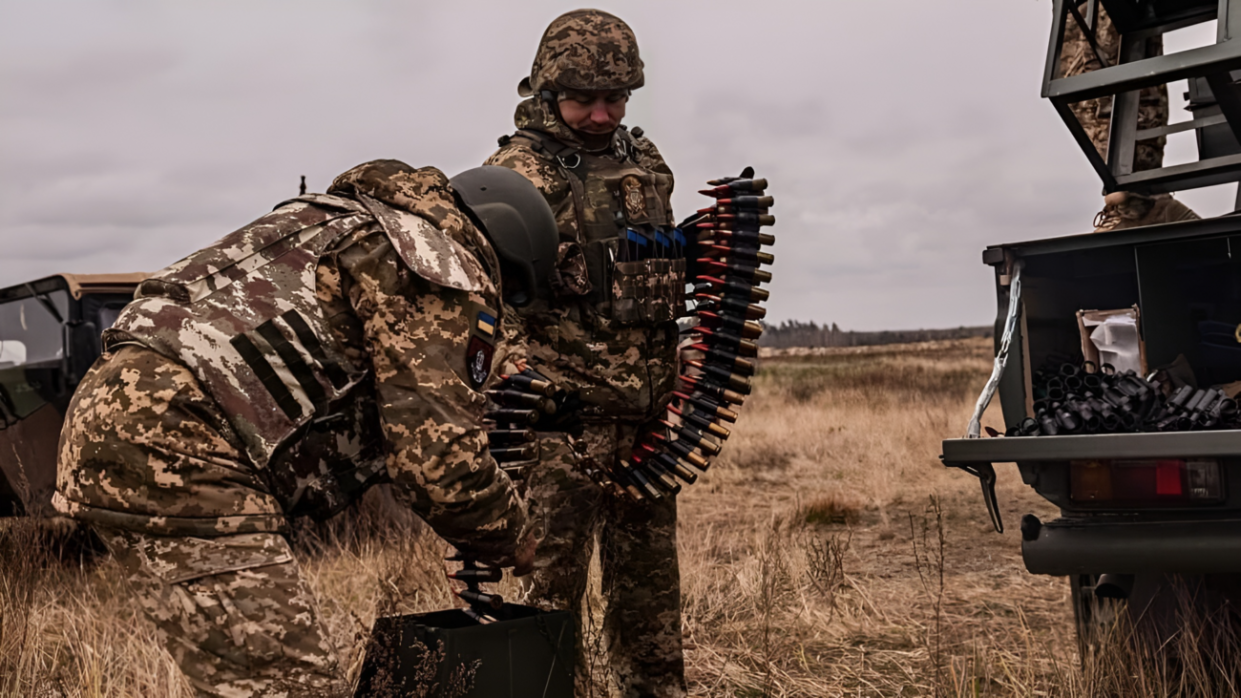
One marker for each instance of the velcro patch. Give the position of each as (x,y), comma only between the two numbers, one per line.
(478,355)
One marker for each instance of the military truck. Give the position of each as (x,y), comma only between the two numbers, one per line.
(49,337)
(1143,513)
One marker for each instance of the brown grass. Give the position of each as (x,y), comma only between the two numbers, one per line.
(827,553)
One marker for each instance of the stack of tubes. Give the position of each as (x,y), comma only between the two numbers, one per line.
(1078,399)
(716,369)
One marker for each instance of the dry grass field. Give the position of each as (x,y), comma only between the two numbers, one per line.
(827,554)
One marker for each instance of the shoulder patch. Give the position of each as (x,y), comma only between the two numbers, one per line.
(428,251)
(482,345)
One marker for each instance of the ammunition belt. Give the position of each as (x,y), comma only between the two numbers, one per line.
(719,359)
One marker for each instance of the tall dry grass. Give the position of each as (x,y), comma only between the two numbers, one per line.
(828,553)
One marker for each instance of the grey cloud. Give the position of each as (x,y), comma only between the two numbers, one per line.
(901,137)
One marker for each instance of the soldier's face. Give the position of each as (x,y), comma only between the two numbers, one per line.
(597,112)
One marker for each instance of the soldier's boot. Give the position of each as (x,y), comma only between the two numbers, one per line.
(1122,209)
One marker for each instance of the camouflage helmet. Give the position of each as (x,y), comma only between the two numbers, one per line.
(585,50)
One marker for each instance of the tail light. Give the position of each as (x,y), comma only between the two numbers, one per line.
(1146,482)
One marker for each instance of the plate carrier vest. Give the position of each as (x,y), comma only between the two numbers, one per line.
(243,316)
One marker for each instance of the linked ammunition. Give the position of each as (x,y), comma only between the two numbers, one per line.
(717,210)
(481,598)
(736,185)
(513,416)
(531,384)
(706,386)
(732,287)
(723,375)
(670,463)
(706,404)
(731,225)
(642,482)
(727,341)
(748,311)
(509,437)
(507,454)
(478,575)
(737,237)
(685,451)
(694,438)
(656,475)
(517,398)
(741,271)
(741,253)
(727,359)
(746,217)
(747,201)
(700,422)
(747,329)
(626,483)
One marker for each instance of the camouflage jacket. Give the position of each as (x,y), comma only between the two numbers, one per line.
(346,335)
(621,369)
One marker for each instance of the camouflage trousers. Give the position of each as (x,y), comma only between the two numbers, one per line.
(640,628)
(146,459)
(233,611)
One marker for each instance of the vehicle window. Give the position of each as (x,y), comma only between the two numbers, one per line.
(30,332)
(108,315)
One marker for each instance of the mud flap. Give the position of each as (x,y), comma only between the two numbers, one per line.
(986,477)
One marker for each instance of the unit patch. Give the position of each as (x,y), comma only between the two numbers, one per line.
(482,345)
(634,200)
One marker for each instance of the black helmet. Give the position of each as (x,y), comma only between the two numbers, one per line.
(519,224)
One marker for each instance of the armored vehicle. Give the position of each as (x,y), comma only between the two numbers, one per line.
(1150,496)
(49,337)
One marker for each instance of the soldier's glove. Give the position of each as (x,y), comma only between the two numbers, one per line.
(568,416)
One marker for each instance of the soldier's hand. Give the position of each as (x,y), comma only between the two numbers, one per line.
(523,559)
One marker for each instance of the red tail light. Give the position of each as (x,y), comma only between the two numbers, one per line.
(1146,482)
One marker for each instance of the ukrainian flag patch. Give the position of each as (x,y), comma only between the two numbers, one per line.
(485,323)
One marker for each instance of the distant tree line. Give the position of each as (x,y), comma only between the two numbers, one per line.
(795,333)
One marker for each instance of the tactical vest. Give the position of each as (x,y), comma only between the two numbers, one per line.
(243,316)
(635,258)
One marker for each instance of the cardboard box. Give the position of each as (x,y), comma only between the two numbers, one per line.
(1088,321)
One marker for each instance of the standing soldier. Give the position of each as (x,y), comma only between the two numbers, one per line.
(609,336)
(338,341)
(1122,209)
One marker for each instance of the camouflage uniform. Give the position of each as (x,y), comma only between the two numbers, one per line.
(1121,209)
(329,345)
(609,335)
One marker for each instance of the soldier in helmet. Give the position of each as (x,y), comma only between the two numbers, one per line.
(608,334)
(338,341)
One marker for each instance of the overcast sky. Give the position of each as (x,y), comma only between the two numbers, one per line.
(901,137)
